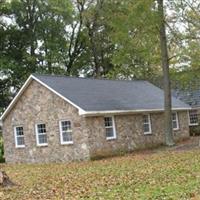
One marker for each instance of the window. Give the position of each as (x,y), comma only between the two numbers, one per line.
(65,132)
(19,137)
(175,124)
(41,135)
(193,117)
(147,124)
(110,128)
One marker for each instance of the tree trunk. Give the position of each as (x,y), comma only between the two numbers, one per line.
(166,78)
(5,180)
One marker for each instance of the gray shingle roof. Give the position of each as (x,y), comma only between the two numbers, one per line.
(190,96)
(109,95)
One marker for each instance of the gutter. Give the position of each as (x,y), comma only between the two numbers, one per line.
(121,112)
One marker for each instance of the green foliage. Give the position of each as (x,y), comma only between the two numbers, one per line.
(195,130)
(113,39)
(184,41)
(33,39)
(135,33)
(187,79)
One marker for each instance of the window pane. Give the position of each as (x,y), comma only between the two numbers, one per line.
(19,131)
(19,136)
(109,132)
(108,121)
(66,131)
(193,117)
(41,128)
(42,139)
(146,124)
(67,137)
(66,125)
(173,116)
(20,141)
(145,119)
(175,121)
(174,124)
(146,128)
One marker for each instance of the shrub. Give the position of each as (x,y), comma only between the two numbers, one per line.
(195,130)
(1,151)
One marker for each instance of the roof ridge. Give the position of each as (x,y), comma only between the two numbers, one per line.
(88,78)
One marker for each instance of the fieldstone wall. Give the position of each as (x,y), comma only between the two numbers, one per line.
(130,136)
(195,129)
(40,105)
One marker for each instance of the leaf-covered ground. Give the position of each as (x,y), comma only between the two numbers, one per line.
(162,175)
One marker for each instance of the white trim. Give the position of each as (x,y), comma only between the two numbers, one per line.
(60,95)
(149,123)
(37,135)
(193,124)
(15,134)
(61,133)
(80,110)
(26,84)
(113,127)
(102,113)
(177,121)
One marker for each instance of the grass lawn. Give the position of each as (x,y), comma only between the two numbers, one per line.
(161,175)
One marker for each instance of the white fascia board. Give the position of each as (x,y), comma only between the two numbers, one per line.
(80,110)
(26,84)
(60,95)
(99,113)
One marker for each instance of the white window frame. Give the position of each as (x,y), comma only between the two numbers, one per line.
(113,127)
(177,121)
(193,124)
(37,135)
(61,132)
(15,132)
(149,123)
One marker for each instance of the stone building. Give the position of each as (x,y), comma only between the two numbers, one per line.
(58,118)
(191,96)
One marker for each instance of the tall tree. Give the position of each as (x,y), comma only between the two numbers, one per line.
(75,38)
(99,45)
(166,78)
(33,39)
(182,23)
(138,40)
(134,35)
(114,39)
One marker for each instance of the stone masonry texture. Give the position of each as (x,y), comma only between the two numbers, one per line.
(39,105)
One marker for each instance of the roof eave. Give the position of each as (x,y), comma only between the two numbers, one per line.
(81,111)
(58,94)
(112,112)
(11,105)
(26,84)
